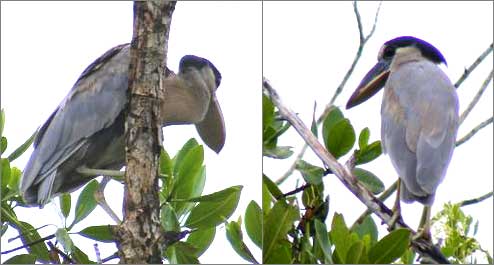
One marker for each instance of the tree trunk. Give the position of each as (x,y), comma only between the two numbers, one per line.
(139,236)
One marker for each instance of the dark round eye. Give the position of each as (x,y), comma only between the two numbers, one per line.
(389,52)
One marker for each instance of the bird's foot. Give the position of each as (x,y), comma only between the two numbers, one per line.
(422,233)
(395,218)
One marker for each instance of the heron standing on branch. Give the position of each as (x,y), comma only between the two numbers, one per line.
(86,131)
(419,118)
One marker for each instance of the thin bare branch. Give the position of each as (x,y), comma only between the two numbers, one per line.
(472,67)
(476,200)
(474,131)
(339,89)
(375,23)
(359,22)
(345,175)
(384,196)
(476,99)
(41,240)
(363,41)
(97,253)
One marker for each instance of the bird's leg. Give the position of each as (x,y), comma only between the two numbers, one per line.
(396,208)
(424,229)
(92,172)
(99,195)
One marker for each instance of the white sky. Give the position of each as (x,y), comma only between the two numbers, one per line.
(46,46)
(307,48)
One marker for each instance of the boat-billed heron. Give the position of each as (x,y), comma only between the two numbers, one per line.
(87,128)
(419,117)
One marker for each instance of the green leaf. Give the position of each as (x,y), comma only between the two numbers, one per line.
(309,254)
(323,240)
(281,254)
(364,258)
(63,237)
(272,187)
(448,251)
(181,253)
(65,203)
(234,236)
(269,139)
(363,138)
(166,164)
(334,116)
(354,253)
(8,215)
(312,197)
(266,199)
(189,179)
(3,144)
(253,223)
(368,153)
(191,163)
(370,181)
(29,235)
(312,174)
(214,208)
(390,247)
(267,111)
(21,149)
(341,237)
(278,152)
(276,226)
(81,257)
(86,202)
(201,239)
(169,219)
(102,233)
(2,121)
(5,174)
(408,257)
(341,138)
(367,227)
(21,259)
(15,178)
(178,159)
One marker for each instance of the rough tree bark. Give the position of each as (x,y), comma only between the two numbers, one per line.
(139,236)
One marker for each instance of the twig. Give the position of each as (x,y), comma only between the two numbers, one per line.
(329,106)
(28,244)
(384,196)
(476,99)
(474,131)
(113,256)
(295,191)
(97,253)
(475,200)
(344,174)
(473,66)
(363,41)
(61,253)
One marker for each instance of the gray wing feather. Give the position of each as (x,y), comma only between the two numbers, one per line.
(94,102)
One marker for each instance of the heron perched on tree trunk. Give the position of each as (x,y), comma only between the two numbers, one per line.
(419,117)
(87,128)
